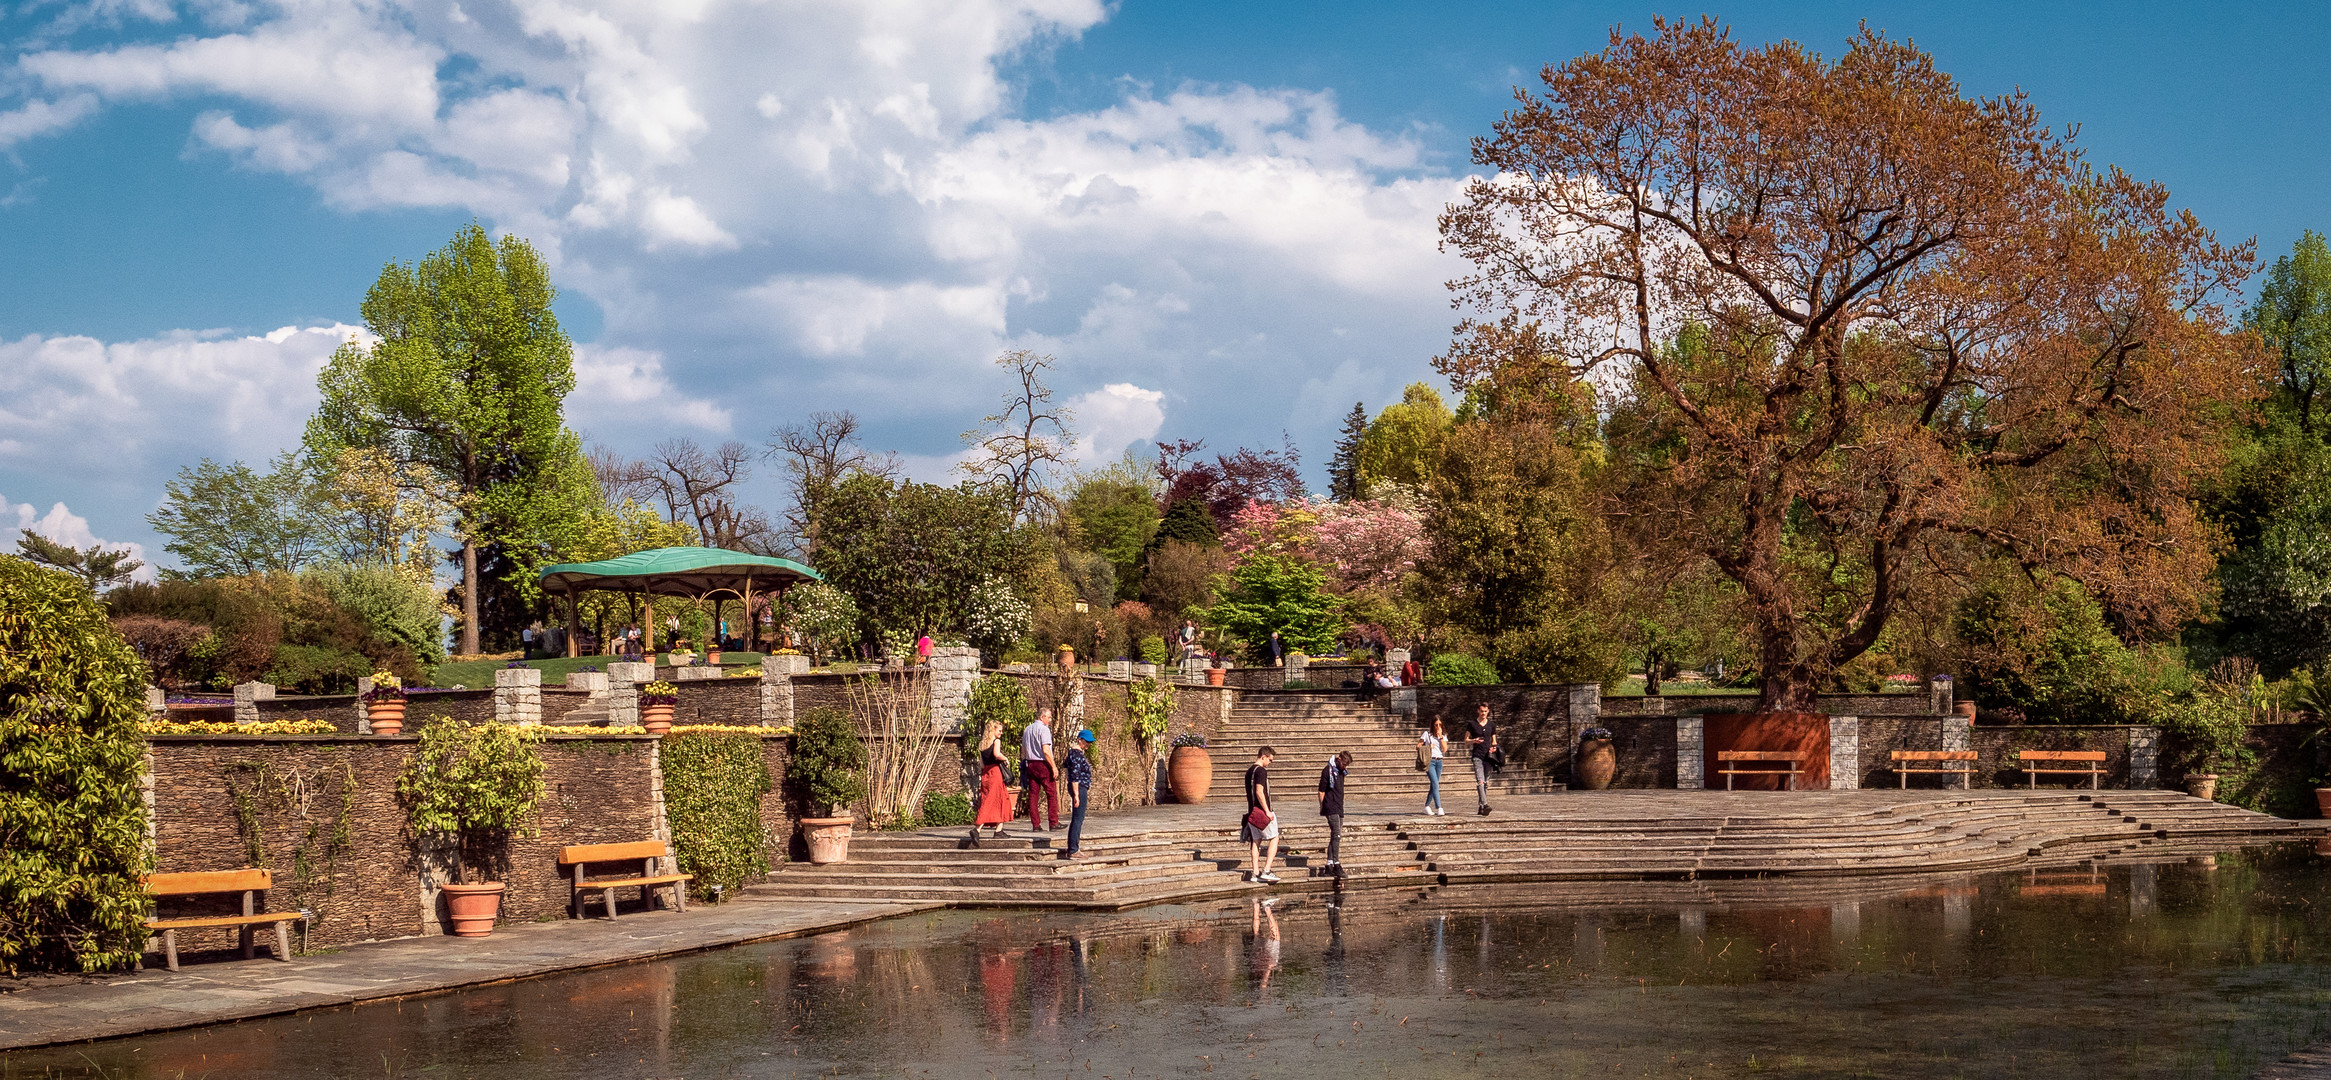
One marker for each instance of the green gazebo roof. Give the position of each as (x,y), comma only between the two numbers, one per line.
(680,571)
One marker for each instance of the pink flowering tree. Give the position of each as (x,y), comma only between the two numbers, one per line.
(1366,545)
(1265,528)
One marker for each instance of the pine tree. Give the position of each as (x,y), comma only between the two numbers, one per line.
(1343,473)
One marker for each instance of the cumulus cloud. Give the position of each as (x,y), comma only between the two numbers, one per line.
(795,205)
(1114,417)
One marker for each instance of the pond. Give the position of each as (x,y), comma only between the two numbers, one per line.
(2204,965)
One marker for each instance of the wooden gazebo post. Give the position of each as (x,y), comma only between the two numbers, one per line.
(574,624)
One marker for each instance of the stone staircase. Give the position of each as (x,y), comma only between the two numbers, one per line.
(1306,726)
(1023,870)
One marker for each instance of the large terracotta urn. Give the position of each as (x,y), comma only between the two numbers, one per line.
(1597,764)
(1189,772)
(2202,785)
(473,909)
(657,719)
(1214,676)
(2323,801)
(829,839)
(386,717)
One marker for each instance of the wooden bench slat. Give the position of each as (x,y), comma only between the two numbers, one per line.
(221,920)
(611,883)
(2060,755)
(1757,755)
(1934,755)
(209,881)
(587,853)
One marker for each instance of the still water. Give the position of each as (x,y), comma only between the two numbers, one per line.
(2180,966)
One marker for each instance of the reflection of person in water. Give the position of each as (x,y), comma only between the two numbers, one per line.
(1336,976)
(998,978)
(1263,944)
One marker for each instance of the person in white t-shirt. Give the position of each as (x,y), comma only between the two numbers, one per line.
(1436,746)
(1040,771)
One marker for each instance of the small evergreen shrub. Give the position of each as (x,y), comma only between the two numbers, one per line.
(828,765)
(946,809)
(72,825)
(477,784)
(713,783)
(1459,669)
(1002,699)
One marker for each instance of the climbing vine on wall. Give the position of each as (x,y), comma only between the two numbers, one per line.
(713,783)
(315,808)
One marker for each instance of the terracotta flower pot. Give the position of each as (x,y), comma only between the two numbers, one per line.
(386,717)
(829,839)
(473,909)
(1214,676)
(2202,785)
(1597,764)
(657,719)
(2323,801)
(1189,772)
(712,657)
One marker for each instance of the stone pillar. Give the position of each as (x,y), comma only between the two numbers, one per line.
(1939,699)
(777,674)
(2144,757)
(1076,710)
(157,703)
(518,696)
(247,698)
(364,715)
(1298,669)
(1194,670)
(1845,753)
(1586,705)
(1120,669)
(1145,671)
(953,670)
(1691,758)
(593,683)
(623,683)
(1958,732)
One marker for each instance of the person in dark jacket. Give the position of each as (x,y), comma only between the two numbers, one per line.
(1262,842)
(1331,807)
(1080,790)
(1481,732)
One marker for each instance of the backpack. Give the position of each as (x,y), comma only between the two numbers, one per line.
(1424,756)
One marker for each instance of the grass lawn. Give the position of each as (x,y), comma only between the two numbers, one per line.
(479,674)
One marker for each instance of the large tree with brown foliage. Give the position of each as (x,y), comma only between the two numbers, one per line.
(1860,331)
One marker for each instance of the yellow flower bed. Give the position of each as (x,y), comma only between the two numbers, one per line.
(222,727)
(743,673)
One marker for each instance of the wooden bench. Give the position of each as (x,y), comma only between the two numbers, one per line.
(1961,762)
(1787,759)
(2088,763)
(213,882)
(647,852)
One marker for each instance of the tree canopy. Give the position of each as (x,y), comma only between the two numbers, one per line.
(1864,330)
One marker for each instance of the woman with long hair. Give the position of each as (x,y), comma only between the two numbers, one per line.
(1436,746)
(995,800)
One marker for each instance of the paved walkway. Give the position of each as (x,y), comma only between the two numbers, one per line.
(213,991)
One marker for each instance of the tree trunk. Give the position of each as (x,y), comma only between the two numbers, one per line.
(469,597)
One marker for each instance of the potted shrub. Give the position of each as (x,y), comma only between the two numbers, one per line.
(656,702)
(1597,761)
(473,786)
(1190,771)
(384,705)
(828,767)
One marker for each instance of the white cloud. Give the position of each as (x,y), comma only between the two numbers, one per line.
(1114,417)
(780,207)
(65,527)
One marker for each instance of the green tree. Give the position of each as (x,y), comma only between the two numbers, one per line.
(95,566)
(2293,314)
(467,381)
(1113,514)
(1343,471)
(232,520)
(1189,521)
(1516,554)
(72,824)
(910,555)
(1277,592)
(1402,444)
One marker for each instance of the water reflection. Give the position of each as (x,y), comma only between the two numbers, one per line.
(2167,966)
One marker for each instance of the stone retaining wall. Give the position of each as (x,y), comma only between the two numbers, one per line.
(733,701)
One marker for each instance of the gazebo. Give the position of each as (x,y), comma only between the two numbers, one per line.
(698,573)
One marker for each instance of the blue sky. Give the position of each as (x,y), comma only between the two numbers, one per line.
(1217,215)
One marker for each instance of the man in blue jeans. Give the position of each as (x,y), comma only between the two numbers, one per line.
(1080,791)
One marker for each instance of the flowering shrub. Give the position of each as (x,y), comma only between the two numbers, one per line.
(994,617)
(224,727)
(744,673)
(1261,528)
(1368,544)
(1593,733)
(1190,738)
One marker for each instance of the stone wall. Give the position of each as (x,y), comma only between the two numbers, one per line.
(339,710)
(1905,704)
(374,885)
(558,702)
(467,706)
(719,701)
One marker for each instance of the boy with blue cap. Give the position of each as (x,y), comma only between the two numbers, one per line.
(1080,790)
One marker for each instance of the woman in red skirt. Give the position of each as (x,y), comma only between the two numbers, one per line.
(995,800)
